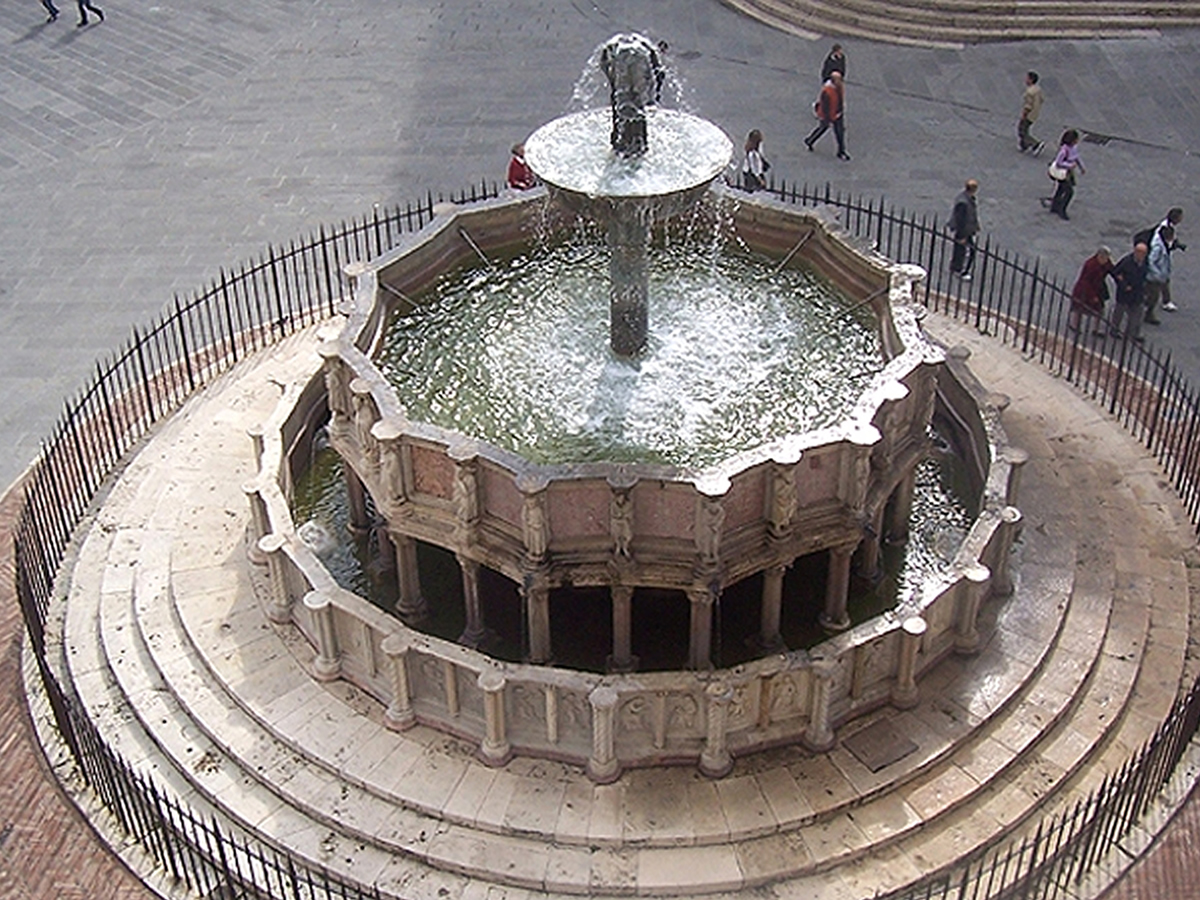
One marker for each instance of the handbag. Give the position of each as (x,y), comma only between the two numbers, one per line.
(1057,172)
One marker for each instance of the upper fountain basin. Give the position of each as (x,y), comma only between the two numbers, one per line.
(683,153)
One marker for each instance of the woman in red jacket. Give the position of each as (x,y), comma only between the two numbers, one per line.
(1091,290)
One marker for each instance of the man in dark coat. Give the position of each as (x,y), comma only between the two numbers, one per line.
(834,62)
(964,225)
(1130,277)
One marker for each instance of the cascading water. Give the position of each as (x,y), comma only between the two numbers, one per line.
(625,168)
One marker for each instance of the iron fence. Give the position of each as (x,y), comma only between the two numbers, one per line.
(1023,305)
(198,338)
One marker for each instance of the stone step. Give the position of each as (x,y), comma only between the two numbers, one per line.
(949,24)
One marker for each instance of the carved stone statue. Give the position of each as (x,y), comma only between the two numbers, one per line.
(533,520)
(620,510)
(634,74)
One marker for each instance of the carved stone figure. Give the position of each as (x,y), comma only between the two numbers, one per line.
(620,510)
(533,521)
(466,493)
(711,520)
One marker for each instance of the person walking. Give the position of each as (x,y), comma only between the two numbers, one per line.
(755,165)
(1173,217)
(1091,290)
(1129,275)
(51,9)
(520,176)
(831,108)
(85,6)
(1031,108)
(964,225)
(834,62)
(1158,270)
(1066,162)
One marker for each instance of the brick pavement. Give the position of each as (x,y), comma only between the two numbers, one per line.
(139,156)
(47,849)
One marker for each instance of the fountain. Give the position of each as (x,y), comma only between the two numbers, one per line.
(645,549)
(659,163)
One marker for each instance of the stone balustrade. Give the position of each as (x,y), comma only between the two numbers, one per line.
(505,514)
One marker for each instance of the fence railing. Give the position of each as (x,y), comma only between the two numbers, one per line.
(198,338)
(1021,304)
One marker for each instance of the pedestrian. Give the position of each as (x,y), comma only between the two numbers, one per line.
(51,9)
(834,62)
(1173,217)
(520,176)
(831,108)
(1158,270)
(84,7)
(964,225)
(1091,290)
(1031,108)
(1129,275)
(1066,162)
(755,165)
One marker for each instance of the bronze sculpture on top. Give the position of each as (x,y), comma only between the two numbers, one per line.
(635,75)
(655,164)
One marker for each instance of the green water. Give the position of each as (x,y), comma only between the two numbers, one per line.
(738,356)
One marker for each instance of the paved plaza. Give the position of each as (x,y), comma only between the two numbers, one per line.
(140,156)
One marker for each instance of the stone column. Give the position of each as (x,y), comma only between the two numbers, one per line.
(837,589)
(399,715)
(280,610)
(475,629)
(537,611)
(769,638)
(1016,459)
(715,760)
(411,605)
(495,749)
(971,590)
(602,766)
(622,658)
(702,600)
(356,496)
(896,529)
(628,239)
(904,691)
(327,665)
(819,736)
(1010,524)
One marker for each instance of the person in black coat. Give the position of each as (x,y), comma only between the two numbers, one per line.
(964,225)
(1130,278)
(834,62)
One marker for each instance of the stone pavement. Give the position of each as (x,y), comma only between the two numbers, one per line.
(139,156)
